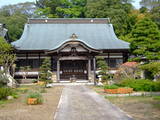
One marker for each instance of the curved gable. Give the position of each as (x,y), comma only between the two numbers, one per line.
(50,35)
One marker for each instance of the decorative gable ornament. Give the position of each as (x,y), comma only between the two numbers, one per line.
(74,36)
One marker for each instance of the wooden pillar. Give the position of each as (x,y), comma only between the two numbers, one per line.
(89,68)
(39,59)
(58,70)
(108,59)
(94,68)
(26,64)
(51,63)
(125,57)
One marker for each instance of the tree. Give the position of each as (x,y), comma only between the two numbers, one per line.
(155,15)
(145,40)
(153,68)
(27,8)
(25,70)
(15,16)
(103,67)
(14,24)
(7,57)
(116,10)
(61,8)
(150,3)
(45,74)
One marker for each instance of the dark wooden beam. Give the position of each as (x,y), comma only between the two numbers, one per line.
(94,68)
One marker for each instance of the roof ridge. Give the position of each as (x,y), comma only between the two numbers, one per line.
(69,20)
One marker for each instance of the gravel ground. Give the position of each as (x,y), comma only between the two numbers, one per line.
(19,110)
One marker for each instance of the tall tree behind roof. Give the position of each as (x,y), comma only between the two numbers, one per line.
(145,40)
(116,10)
(150,3)
(15,16)
(26,8)
(61,8)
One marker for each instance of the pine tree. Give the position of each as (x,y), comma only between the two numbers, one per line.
(145,40)
(45,73)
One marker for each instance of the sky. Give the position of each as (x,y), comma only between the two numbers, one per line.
(8,2)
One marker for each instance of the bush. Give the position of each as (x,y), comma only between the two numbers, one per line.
(3,79)
(4,92)
(140,85)
(36,95)
(110,87)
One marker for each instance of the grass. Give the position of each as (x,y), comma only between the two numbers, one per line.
(138,106)
(3,102)
(23,89)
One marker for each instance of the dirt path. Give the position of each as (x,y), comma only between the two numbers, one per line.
(18,110)
(82,103)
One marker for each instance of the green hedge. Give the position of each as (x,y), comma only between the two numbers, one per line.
(141,85)
(110,87)
(4,92)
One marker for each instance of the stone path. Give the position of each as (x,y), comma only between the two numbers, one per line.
(81,103)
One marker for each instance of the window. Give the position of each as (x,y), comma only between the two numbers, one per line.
(114,63)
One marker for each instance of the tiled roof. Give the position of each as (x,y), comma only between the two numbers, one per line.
(130,64)
(97,34)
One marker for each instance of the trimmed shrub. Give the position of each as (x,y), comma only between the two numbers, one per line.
(141,85)
(4,92)
(110,87)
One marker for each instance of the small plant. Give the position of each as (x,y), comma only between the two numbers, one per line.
(36,96)
(4,92)
(34,81)
(110,87)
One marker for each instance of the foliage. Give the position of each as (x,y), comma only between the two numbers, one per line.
(15,16)
(141,85)
(61,8)
(150,3)
(4,92)
(145,40)
(25,71)
(36,95)
(152,67)
(45,73)
(14,24)
(116,10)
(103,67)
(26,8)
(155,16)
(7,58)
(3,79)
(156,98)
(129,72)
(111,87)
(22,90)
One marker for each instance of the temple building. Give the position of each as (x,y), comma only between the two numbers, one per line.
(72,45)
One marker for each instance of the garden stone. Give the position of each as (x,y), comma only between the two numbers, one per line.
(10,98)
(49,85)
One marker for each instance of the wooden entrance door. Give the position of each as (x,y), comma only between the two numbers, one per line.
(73,69)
